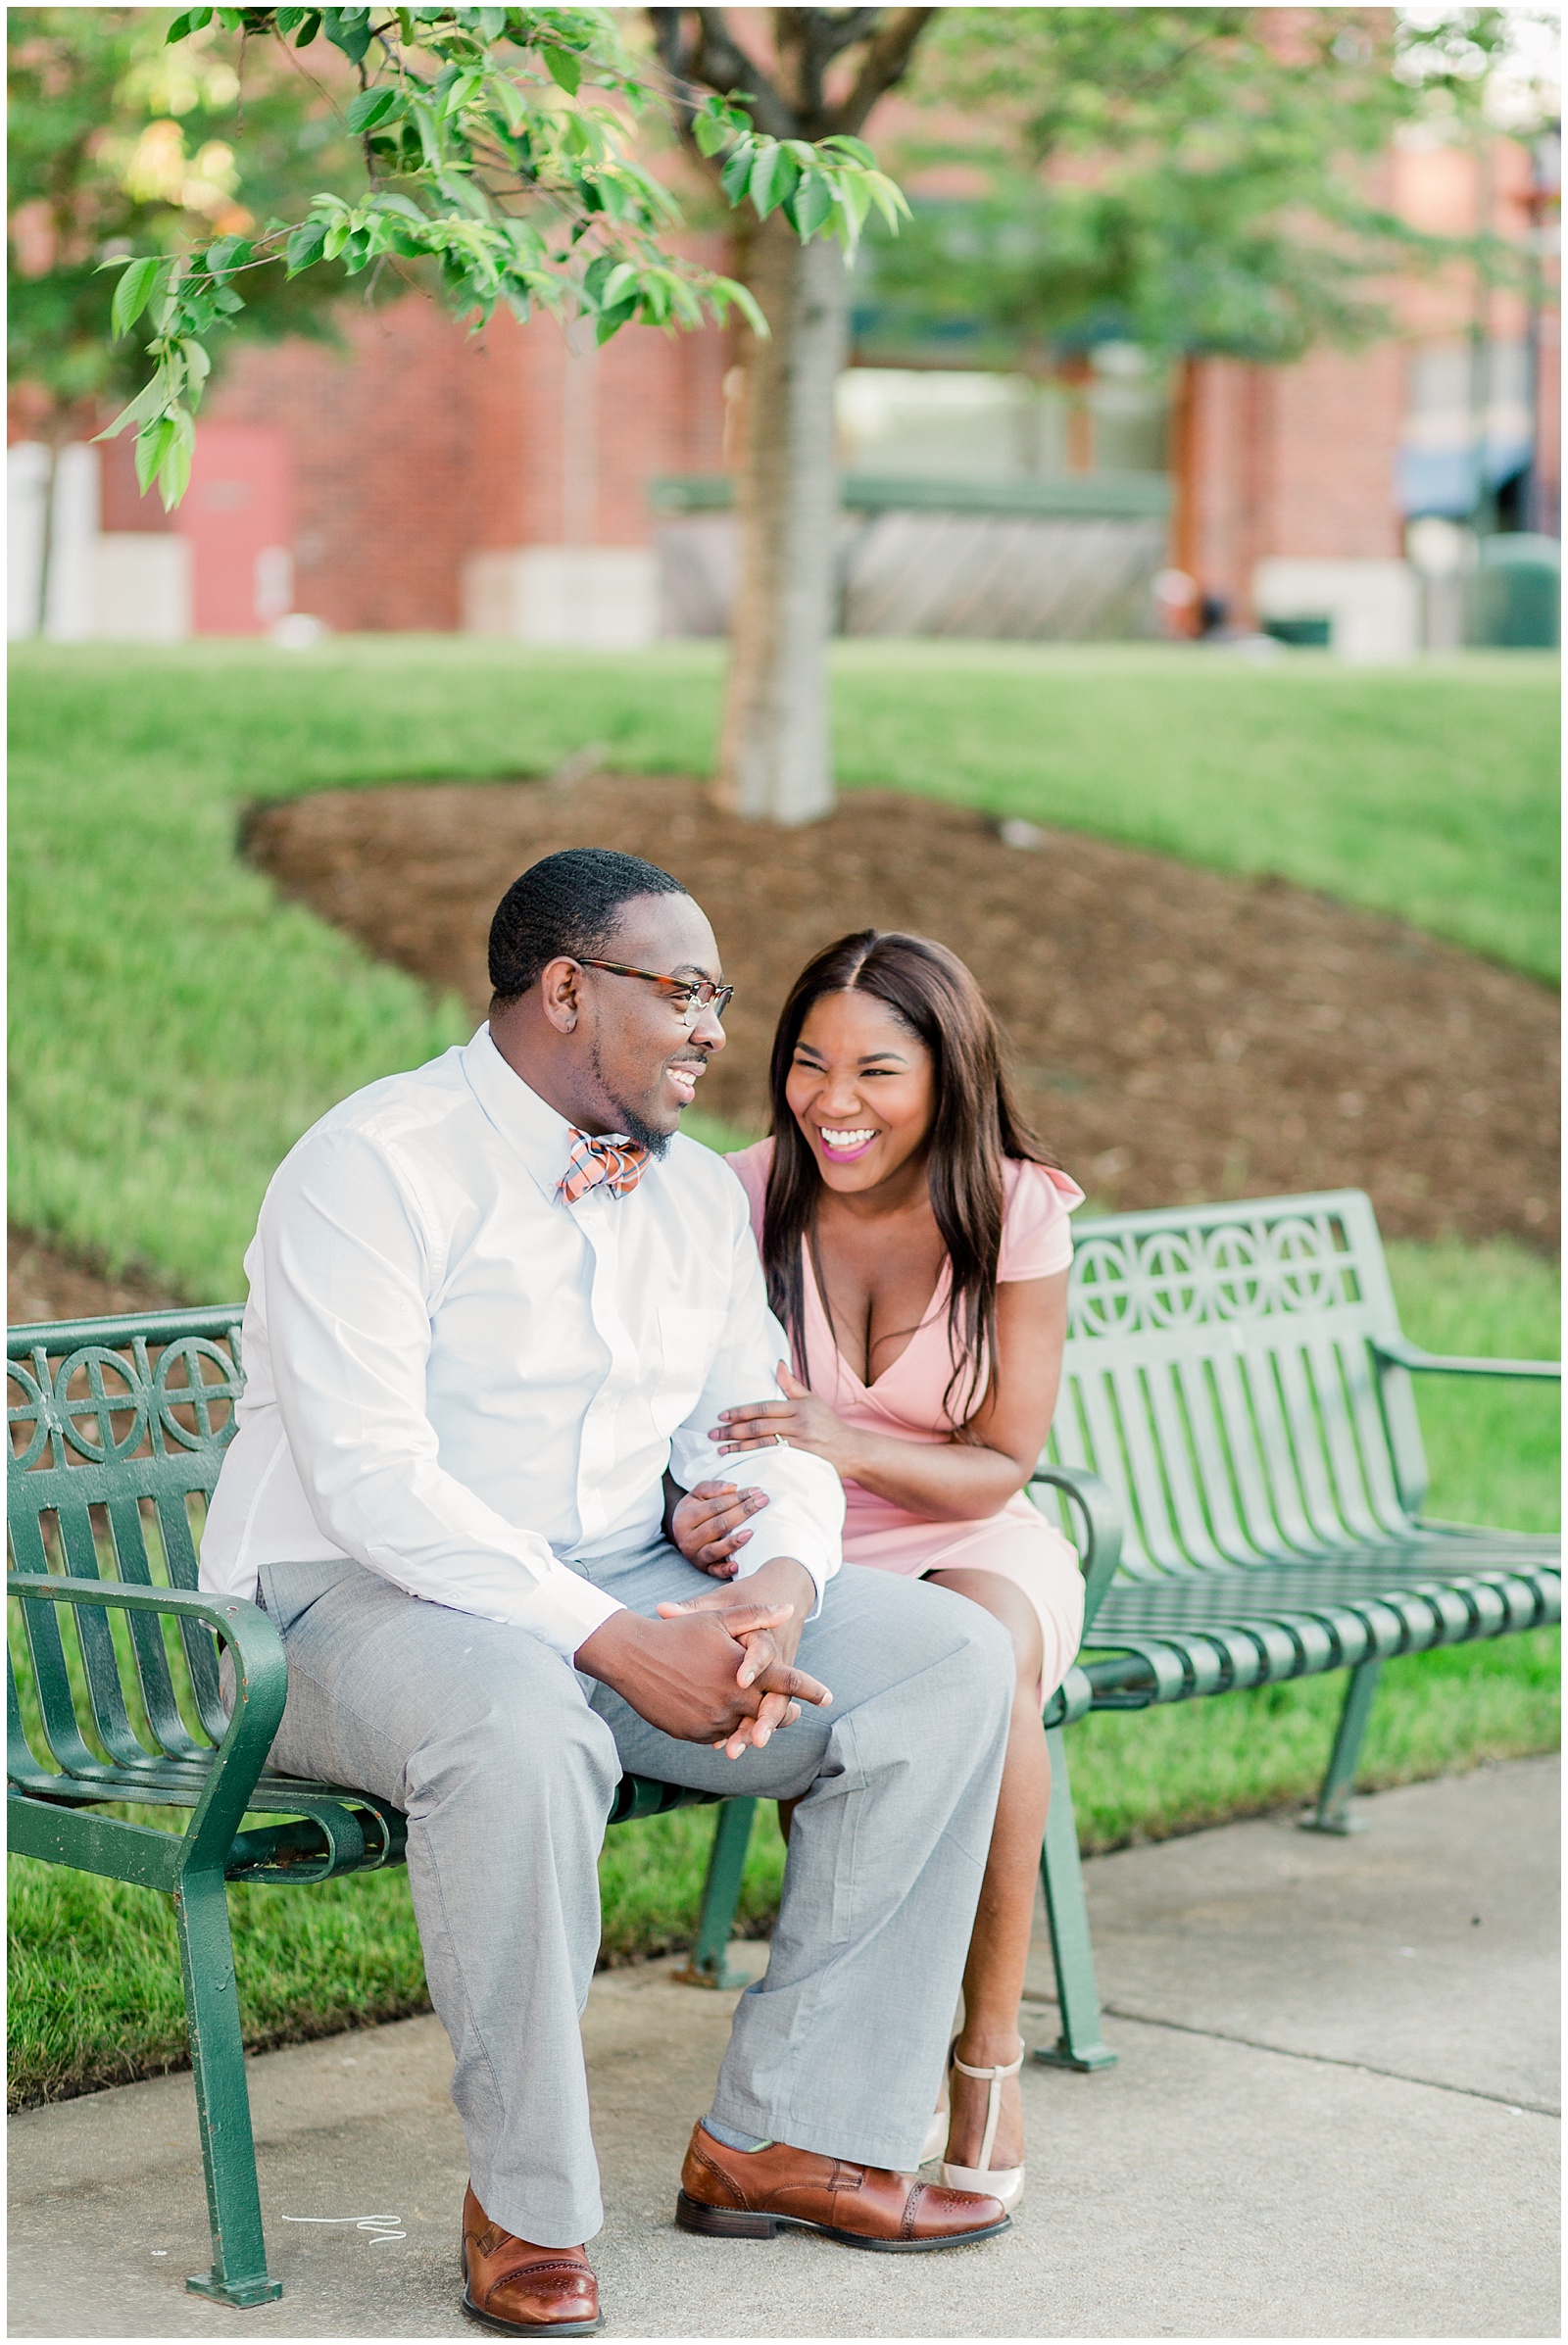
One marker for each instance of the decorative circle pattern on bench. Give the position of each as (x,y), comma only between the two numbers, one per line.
(1225,1379)
(1177,1278)
(171,1401)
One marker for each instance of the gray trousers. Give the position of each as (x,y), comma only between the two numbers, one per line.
(505,1761)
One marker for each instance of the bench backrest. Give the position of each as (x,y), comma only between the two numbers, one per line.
(1219,1377)
(111,1414)
(117,1428)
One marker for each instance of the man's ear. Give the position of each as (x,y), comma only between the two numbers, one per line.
(560,985)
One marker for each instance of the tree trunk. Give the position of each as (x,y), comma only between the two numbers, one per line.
(776,759)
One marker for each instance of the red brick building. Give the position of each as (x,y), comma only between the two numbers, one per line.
(1329,461)
(421,477)
(397,469)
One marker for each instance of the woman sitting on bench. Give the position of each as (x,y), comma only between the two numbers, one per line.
(916,1246)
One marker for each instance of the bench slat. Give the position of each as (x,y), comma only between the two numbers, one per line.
(154,1677)
(1236,1456)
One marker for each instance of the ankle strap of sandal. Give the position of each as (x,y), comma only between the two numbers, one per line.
(996,2078)
(989,2075)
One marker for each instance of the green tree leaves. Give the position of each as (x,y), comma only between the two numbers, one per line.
(163,454)
(373,107)
(306,246)
(132,294)
(122,151)
(499,148)
(829,185)
(564,69)
(1180,178)
(349,29)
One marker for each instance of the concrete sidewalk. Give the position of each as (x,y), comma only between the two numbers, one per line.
(1335,2115)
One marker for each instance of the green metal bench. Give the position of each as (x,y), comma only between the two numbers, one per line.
(1238,1442)
(1236,1445)
(118,1430)
(1237,1378)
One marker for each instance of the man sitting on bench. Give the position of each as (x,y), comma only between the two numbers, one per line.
(491,1301)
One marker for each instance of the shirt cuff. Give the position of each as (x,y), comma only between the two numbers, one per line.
(565,1612)
(784,1528)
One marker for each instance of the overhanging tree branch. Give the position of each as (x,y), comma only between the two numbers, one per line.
(808,40)
(719,60)
(885,63)
(841,29)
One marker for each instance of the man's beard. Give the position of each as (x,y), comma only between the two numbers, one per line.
(628,1121)
(632,1125)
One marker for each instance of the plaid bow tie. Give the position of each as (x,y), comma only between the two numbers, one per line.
(618,1162)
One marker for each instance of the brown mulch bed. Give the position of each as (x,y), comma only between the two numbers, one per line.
(44,1282)
(1176,1035)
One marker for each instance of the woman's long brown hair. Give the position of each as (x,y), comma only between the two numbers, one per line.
(976,1127)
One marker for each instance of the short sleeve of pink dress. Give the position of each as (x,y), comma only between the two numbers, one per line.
(905,1402)
(750,1167)
(1036,1234)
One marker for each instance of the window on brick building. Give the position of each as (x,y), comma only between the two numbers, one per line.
(1467,425)
(1106,413)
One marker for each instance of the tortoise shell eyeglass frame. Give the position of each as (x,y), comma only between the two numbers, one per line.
(689,994)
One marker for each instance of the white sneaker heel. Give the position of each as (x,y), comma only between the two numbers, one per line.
(1006,2181)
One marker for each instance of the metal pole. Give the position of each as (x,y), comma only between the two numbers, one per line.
(710,1959)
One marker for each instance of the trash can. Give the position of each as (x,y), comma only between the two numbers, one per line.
(1514,593)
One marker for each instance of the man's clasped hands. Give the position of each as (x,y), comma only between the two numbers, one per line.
(715,1669)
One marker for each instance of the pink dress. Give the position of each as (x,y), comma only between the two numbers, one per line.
(906,1400)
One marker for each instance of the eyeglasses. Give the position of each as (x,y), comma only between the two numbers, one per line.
(689,994)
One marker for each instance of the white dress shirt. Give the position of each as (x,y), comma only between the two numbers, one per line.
(468,1384)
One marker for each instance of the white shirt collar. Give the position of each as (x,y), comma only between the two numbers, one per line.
(541,1136)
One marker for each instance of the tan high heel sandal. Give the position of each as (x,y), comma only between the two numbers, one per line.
(1006,2181)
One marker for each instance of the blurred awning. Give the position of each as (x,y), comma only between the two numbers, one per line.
(1451,481)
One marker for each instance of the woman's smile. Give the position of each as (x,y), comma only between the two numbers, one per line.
(853,1047)
(845,1146)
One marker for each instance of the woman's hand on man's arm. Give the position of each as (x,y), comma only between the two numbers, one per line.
(708,1523)
(799,1420)
(964,1478)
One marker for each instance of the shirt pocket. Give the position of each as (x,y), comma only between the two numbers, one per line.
(688,1341)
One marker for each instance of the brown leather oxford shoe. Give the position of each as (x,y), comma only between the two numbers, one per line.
(510,2284)
(745,2194)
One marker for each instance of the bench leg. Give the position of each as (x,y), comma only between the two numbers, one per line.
(1080,2045)
(710,1960)
(239,2273)
(1332,1814)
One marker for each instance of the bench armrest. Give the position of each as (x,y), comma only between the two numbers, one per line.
(261,1690)
(1395,1352)
(1101,1527)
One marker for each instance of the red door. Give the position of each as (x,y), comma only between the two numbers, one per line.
(236,517)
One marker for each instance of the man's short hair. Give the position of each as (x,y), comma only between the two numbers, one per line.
(567,903)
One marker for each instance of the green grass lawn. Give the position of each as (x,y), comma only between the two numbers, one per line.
(174,1027)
